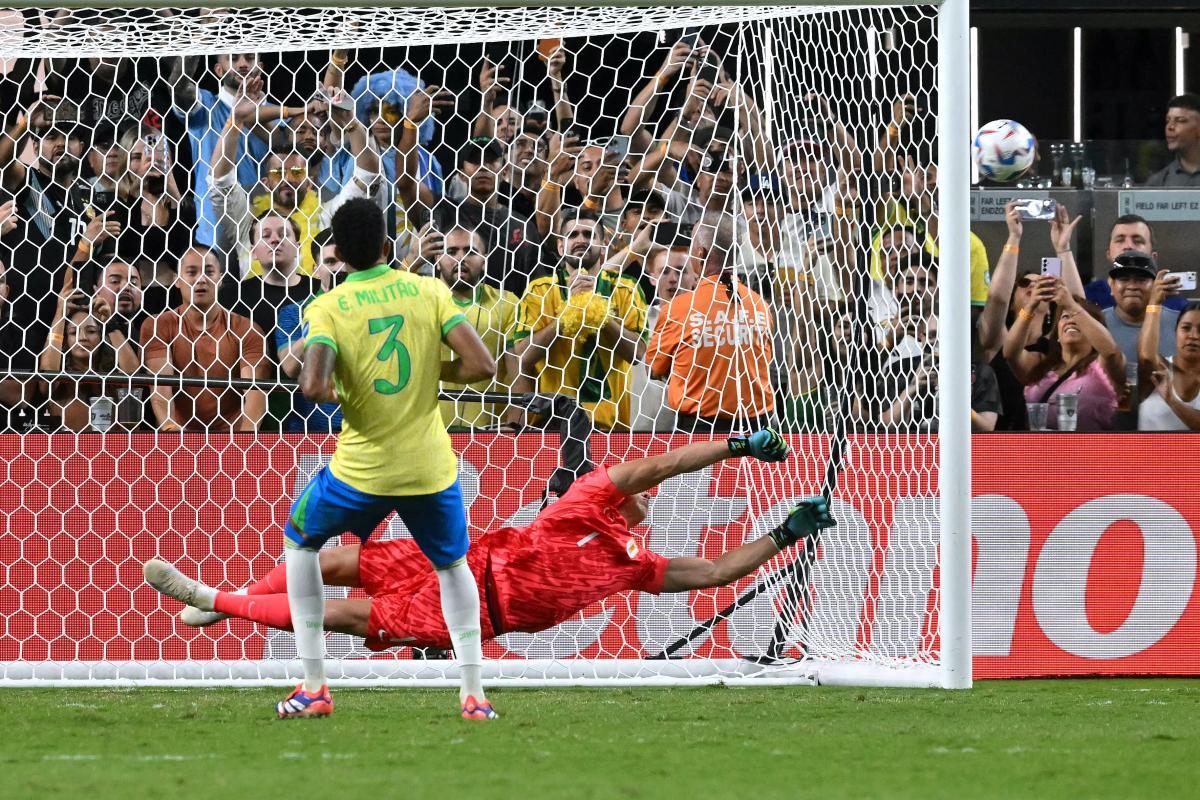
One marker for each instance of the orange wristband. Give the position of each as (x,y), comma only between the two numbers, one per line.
(1153,308)
(1025,314)
(408,123)
(1012,248)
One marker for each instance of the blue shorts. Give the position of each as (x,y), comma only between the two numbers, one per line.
(328,507)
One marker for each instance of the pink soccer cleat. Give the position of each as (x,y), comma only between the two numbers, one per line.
(300,704)
(473,709)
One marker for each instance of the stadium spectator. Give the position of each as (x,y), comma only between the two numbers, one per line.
(909,389)
(1125,293)
(670,273)
(528,167)
(206,114)
(1170,385)
(594,186)
(1008,294)
(12,390)
(1081,358)
(713,345)
(289,191)
(328,269)
(200,339)
(411,176)
(277,252)
(306,415)
(579,330)
(496,120)
(512,241)
(110,92)
(80,340)
(49,210)
(492,312)
(1183,140)
(915,292)
(151,209)
(398,108)
(119,289)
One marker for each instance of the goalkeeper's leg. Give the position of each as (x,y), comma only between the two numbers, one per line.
(272,610)
(339,567)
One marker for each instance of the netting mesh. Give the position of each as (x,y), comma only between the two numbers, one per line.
(685,221)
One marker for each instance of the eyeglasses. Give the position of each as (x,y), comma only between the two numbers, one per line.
(293,172)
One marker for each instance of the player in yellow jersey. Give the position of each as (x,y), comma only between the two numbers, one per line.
(374,344)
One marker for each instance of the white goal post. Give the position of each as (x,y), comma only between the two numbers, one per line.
(866,101)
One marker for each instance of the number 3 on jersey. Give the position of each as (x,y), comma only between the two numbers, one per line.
(392,346)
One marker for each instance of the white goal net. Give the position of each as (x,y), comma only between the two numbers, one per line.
(667,223)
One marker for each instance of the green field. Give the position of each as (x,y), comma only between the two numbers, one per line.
(1041,739)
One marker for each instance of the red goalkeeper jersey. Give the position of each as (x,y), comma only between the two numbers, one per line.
(577,551)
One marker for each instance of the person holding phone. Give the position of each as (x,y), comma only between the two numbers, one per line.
(1131,279)
(1080,358)
(1170,384)
(81,341)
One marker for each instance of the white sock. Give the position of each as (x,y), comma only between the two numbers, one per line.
(205,597)
(460,607)
(306,599)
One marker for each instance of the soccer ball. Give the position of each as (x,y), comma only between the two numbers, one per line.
(1004,150)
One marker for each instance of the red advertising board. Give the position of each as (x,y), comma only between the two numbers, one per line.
(1085,545)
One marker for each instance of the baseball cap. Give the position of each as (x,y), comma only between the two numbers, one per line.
(1134,263)
(481,150)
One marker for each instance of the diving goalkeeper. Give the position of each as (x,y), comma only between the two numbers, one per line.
(577,551)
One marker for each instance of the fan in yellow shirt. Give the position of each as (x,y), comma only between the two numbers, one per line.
(490,311)
(581,329)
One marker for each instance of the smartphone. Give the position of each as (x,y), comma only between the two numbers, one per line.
(1187,280)
(616,149)
(690,37)
(64,111)
(546,48)
(1052,267)
(709,70)
(1037,209)
(102,200)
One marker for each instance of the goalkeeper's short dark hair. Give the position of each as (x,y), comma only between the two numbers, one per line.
(359,231)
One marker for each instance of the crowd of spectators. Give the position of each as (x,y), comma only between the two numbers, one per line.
(683,268)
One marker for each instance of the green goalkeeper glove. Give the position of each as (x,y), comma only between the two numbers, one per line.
(765,445)
(803,522)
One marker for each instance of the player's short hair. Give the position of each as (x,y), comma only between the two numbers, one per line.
(1189,100)
(360,232)
(1133,219)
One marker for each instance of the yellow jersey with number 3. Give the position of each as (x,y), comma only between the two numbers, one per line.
(387,328)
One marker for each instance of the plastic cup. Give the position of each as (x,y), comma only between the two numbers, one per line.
(1037,415)
(1068,412)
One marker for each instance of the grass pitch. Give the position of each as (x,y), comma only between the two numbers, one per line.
(1043,739)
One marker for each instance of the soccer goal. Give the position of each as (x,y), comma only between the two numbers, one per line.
(819,152)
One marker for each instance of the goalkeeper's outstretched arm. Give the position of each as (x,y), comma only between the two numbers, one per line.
(643,474)
(803,523)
